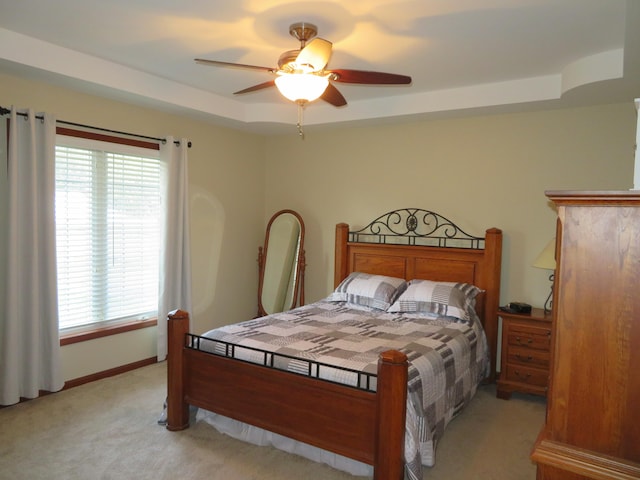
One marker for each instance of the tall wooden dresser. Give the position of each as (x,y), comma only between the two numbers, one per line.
(592,429)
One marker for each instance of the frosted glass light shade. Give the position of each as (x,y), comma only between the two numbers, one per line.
(301,86)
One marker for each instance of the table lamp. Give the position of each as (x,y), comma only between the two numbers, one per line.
(547,260)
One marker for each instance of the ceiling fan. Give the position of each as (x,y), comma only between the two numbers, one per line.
(301,75)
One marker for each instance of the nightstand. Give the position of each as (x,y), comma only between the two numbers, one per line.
(526,348)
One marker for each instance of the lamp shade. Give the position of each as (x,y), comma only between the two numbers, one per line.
(547,258)
(304,87)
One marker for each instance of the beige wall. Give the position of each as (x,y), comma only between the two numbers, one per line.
(480,172)
(226,171)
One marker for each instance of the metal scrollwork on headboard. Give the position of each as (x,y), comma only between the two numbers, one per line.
(414,226)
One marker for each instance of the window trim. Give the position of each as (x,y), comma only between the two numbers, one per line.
(72,132)
(99,332)
(93,333)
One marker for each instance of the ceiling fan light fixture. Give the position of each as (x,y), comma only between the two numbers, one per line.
(302,87)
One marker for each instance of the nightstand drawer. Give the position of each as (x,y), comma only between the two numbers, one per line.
(528,356)
(531,337)
(526,375)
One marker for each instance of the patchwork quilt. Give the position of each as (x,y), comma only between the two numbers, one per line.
(447,358)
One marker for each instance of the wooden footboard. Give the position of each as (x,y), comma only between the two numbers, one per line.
(363,425)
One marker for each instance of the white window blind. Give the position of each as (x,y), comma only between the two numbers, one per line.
(107,231)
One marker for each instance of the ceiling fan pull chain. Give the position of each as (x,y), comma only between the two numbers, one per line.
(300,120)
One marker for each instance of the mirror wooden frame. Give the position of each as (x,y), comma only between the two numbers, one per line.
(297,267)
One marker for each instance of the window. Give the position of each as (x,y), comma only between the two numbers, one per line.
(107,211)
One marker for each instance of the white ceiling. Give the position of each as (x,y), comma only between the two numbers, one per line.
(464,56)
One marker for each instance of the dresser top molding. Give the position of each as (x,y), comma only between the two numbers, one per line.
(602,197)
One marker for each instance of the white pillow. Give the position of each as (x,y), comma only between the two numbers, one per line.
(448,299)
(375,291)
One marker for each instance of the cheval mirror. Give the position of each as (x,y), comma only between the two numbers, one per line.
(281,264)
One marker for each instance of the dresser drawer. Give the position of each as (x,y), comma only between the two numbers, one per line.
(530,337)
(528,356)
(526,375)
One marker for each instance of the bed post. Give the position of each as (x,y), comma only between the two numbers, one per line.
(177,408)
(491,280)
(391,413)
(341,260)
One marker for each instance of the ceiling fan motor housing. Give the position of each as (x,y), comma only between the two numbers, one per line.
(287,59)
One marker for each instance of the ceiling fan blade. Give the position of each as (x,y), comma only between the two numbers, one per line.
(366,77)
(333,96)
(315,54)
(270,83)
(216,63)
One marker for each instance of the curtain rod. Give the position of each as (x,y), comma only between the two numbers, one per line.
(5,111)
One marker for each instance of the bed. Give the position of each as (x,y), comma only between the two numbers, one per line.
(356,413)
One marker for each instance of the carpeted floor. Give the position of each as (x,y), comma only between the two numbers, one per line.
(108,430)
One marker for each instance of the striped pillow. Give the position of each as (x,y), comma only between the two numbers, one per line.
(375,291)
(447,299)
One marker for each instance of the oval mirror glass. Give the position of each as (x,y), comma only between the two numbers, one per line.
(281,264)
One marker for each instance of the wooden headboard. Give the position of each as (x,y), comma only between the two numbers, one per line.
(415,243)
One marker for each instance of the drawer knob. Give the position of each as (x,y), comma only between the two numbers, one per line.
(528,358)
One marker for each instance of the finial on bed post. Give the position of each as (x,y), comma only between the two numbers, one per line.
(177,408)
(392,411)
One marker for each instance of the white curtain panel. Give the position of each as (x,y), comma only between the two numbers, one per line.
(29,338)
(175,252)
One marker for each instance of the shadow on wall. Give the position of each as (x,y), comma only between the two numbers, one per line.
(207,228)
